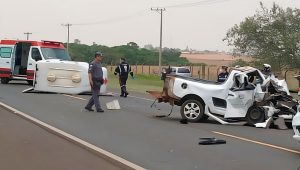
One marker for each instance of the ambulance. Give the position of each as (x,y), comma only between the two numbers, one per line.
(46,65)
(18,58)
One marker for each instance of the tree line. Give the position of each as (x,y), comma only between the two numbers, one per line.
(131,51)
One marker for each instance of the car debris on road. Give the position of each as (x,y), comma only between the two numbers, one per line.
(211,141)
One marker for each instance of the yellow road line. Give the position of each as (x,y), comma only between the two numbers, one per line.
(74,97)
(257,142)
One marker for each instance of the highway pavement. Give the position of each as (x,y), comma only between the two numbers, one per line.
(26,146)
(135,134)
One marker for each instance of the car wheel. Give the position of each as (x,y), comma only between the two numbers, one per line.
(193,111)
(255,115)
(4,80)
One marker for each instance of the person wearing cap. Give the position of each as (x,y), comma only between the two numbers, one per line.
(123,70)
(96,80)
(223,74)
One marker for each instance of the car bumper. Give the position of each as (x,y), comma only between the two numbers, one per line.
(296,127)
(296,137)
(297,132)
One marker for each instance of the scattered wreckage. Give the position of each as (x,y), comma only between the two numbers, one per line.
(60,76)
(245,96)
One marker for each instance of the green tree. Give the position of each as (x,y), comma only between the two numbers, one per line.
(171,56)
(270,36)
(239,62)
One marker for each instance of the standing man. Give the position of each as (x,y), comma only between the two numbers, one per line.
(123,70)
(96,80)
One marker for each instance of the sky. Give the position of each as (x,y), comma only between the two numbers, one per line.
(196,24)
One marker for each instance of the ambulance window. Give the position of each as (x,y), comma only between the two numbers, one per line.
(5,52)
(55,53)
(35,54)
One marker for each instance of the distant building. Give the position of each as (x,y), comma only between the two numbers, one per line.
(212,58)
(76,41)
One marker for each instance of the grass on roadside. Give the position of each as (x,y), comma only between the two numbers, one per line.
(141,83)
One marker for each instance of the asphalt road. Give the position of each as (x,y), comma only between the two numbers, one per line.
(26,146)
(135,134)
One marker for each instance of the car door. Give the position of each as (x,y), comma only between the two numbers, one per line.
(34,56)
(240,97)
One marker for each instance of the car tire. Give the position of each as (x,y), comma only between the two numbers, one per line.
(4,80)
(255,115)
(193,111)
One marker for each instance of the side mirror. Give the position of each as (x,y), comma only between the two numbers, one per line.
(36,58)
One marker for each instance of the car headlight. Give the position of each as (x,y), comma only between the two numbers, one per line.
(51,77)
(76,78)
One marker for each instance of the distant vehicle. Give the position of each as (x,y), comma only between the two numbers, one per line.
(181,71)
(296,125)
(18,58)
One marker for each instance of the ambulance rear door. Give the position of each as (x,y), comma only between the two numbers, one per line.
(6,52)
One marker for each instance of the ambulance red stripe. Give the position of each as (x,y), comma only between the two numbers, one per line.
(5,72)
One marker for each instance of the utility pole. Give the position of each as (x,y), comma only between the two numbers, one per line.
(68,26)
(159,10)
(27,34)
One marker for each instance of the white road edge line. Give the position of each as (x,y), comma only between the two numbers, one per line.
(100,152)
(257,142)
(79,98)
(74,97)
(141,98)
(135,97)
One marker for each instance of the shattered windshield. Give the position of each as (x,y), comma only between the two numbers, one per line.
(55,53)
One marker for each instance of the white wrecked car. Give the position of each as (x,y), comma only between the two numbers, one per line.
(64,77)
(235,99)
(296,125)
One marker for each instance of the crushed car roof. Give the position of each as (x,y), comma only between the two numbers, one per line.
(245,69)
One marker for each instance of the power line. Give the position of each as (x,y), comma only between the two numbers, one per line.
(27,33)
(112,20)
(192,4)
(68,26)
(142,12)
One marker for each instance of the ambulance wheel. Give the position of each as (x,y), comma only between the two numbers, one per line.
(193,111)
(30,82)
(4,80)
(255,115)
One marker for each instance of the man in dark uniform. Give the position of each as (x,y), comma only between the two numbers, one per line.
(96,80)
(223,74)
(123,69)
